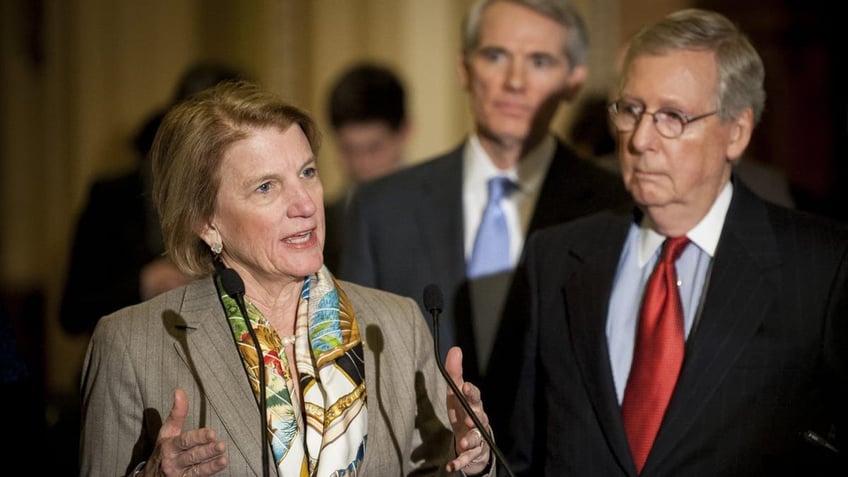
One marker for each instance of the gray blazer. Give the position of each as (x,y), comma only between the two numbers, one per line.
(140,354)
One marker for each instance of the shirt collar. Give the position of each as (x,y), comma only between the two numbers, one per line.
(527,174)
(704,234)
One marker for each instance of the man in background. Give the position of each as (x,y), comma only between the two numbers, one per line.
(460,219)
(367,110)
(117,253)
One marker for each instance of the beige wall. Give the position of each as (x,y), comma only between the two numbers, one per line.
(67,113)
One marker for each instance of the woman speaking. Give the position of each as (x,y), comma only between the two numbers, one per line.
(265,359)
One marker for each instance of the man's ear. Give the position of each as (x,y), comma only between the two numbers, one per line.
(464,75)
(741,129)
(574,82)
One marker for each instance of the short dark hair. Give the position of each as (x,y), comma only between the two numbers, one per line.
(367,92)
(195,78)
(204,75)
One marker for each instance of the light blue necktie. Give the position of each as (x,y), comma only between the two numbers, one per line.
(491,246)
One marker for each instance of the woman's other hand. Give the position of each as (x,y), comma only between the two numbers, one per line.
(179,453)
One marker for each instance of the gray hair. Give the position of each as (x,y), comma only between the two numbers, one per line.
(576,47)
(740,68)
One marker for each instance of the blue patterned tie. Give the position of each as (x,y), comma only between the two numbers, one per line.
(491,246)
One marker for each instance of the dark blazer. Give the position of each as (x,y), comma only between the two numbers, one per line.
(334,218)
(767,361)
(139,355)
(406,231)
(117,233)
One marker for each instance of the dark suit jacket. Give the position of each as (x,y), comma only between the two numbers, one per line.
(140,354)
(334,219)
(767,361)
(116,235)
(406,231)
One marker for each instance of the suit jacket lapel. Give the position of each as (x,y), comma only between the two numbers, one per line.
(743,282)
(564,191)
(586,293)
(552,205)
(440,216)
(209,351)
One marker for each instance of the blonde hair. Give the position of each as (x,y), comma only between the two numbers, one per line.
(187,152)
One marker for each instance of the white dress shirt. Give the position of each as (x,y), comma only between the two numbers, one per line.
(528,175)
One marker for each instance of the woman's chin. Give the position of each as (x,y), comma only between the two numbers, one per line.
(310,266)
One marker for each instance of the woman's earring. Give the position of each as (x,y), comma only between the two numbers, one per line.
(216,248)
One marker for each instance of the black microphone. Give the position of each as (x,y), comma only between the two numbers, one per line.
(433,303)
(234,286)
(814,438)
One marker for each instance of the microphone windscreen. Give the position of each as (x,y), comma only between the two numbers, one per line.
(231,281)
(433,300)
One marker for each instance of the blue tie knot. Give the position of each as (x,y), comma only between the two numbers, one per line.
(499,187)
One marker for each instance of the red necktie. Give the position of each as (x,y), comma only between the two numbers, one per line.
(658,355)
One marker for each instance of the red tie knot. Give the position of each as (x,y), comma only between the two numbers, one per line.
(672,248)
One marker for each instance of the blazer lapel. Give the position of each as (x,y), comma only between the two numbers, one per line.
(559,191)
(743,282)
(440,217)
(209,351)
(586,293)
(571,189)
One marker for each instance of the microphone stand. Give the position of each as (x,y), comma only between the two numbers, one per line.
(434,312)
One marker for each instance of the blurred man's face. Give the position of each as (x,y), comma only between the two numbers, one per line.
(370,149)
(518,74)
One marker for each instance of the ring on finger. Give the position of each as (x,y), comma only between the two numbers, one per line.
(479,437)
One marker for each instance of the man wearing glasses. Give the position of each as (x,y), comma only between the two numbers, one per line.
(707,333)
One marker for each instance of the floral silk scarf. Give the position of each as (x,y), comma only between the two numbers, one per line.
(325,435)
